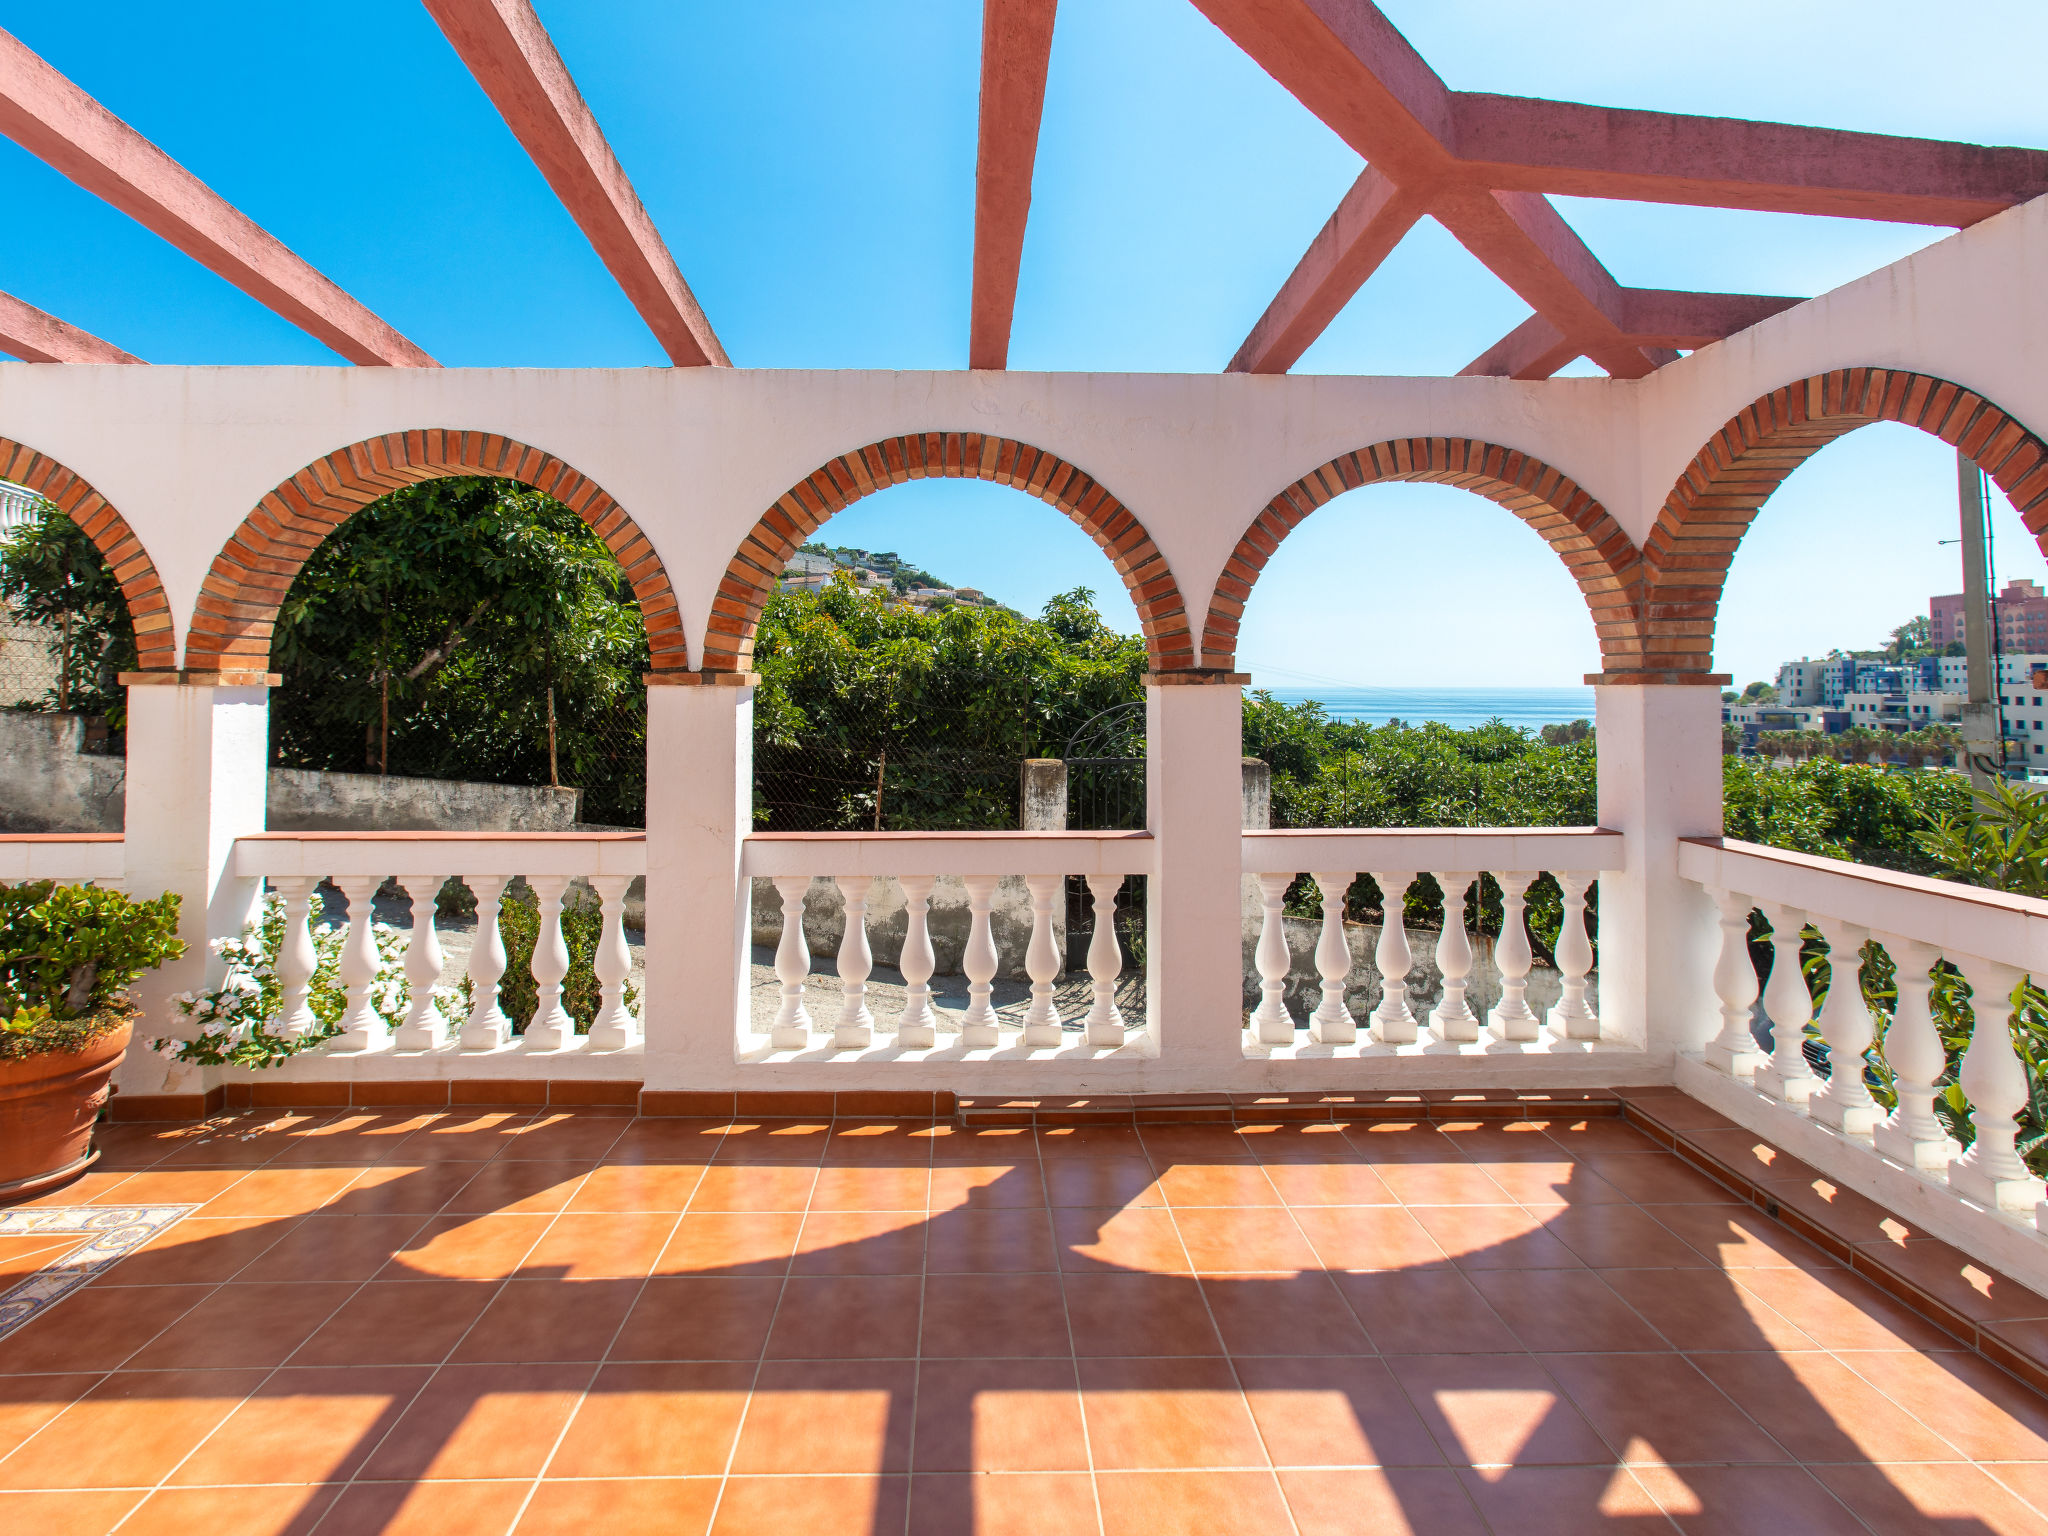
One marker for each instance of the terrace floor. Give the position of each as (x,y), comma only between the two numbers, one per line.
(482,1322)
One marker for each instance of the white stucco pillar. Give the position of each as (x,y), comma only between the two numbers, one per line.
(1659,781)
(198,760)
(700,797)
(1194,788)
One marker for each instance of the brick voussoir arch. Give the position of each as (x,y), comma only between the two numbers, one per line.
(238,601)
(1602,559)
(149,608)
(1717,497)
(757,566)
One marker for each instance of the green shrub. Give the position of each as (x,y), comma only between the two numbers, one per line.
(68,954)
(582,929)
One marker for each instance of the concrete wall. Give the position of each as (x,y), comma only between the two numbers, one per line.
(48,785)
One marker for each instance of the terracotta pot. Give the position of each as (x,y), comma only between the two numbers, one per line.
(48,1104)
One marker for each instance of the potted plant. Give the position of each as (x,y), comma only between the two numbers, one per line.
(67,956)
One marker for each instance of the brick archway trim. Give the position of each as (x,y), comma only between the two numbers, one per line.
(1600,555)
(149,608)
(757,567)
(1715,500)
(239,600)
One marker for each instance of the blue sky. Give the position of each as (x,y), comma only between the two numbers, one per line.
(811,165)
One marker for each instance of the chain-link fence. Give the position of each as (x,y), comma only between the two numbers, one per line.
(891,781)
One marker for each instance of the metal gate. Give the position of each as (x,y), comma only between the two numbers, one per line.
(1105,764)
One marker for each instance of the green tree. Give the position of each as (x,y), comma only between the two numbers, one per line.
(52,575)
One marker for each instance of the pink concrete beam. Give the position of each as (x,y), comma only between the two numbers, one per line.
(1535,349)
(1370,221)
(35,337)
(1016,48)
(57,122)
(1569,149)
(1662,317)
(514,60)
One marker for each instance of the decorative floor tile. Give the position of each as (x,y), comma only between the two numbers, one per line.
(108,1233)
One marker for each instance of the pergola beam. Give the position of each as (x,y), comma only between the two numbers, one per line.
(515,61)
(1535,349)
(1572,150)
(1016,50)
(60,124)
(35,337)
(1657,321)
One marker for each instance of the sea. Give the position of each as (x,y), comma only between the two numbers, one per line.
(1530,708)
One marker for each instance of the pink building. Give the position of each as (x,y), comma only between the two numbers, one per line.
(2021,609)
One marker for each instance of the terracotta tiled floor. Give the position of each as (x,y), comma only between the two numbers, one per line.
(478,1322)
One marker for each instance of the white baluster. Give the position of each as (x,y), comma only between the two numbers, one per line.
(1272,1024)
(1105,962)
(791,1030)
(1331,1023)
(918,1028)
(551,1028)
(1734,1050)
(614,1028)
(1995,1082)
(1913,1134)
(362,1028)
(488,1029)
(423,1029)
(1393,1022)
(1512,1017)
(1042,960)
(1845,1026)
(1572,1016)
(1453,1018)
(296,960)
(1787,1076)
(978,1025)
(856,1027)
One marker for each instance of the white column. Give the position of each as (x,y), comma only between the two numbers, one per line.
(196,781)
(1572,1017)
(1660,780)
(700,797)
(1913,1134)
(1105,962)
(1845,1025)
(1393,1023)
(978,1025)
(423,1029)
(614,1028)
(296,959)
(1453,1018)
(1331,1023)
(1042,961)
(1194,947)
(917,1029)
(488,1028)
(1787,1076)
(1512,1017)
(362,1029)
(791,1030)
(856,1028)
(1272,1024)
(1734,1049)
(1995,1082)
(551,1028)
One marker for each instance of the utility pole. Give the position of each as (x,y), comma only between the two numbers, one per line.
(1983,721)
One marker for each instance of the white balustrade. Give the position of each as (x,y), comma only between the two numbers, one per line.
(1847,1030)
(1572,1016)
(1393,1023)
(551,1028)
(423,1029)
(791,1030)
(1787,1076)
(980,1029)
(296,958)
(1995,1081)
(615,1028)
(488,1028)
(1105,962)
(917,1027)
(856,1027)
(1512,1018)
(1734,1049)
(1913,1134)
(1272,1024)
(362,1027)
(1042,960)
(1453,1019)
(1332,1023)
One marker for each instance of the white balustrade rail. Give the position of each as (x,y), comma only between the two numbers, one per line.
(1395,858)
(70,858)
(295,864)
(853,861)
(1904,1156)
